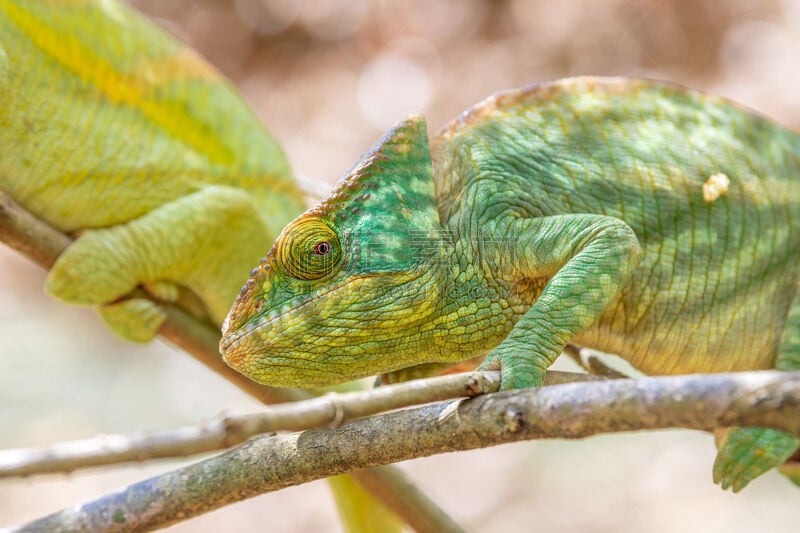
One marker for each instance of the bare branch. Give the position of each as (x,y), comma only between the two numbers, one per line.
(568,411)
(591,363)
(30,236)
(325,411)
(42,244)
(226,431)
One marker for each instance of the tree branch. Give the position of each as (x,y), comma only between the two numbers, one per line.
(330,410)
(591,363)
(226,431)
(568,411)
(42,244)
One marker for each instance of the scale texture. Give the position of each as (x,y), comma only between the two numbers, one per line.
(629,216)
(112,131)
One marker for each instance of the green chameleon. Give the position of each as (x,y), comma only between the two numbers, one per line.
(116,133)
(629,216)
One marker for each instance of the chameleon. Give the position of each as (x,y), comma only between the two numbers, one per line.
(115,133)
(630,216)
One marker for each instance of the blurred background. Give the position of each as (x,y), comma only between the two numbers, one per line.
(327,77)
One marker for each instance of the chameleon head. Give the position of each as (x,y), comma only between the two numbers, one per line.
(348,288)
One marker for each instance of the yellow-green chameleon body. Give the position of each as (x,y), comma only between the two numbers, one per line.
(113,131)
(629,216)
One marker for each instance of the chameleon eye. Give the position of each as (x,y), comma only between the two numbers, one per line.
(323,248)
(309,249)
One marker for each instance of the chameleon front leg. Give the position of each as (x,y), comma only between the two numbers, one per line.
(746,453)
(587,259)
(205,241)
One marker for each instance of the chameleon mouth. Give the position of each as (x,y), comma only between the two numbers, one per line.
(231,338)
(241,344)
(237,352)
(264,348)
(260,349)
(255,348)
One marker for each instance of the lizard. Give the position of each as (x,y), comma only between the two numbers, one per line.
(114,132)
(630,216)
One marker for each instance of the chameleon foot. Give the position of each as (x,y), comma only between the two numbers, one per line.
(746,453)
(137,319)
(98,267)
(518,366)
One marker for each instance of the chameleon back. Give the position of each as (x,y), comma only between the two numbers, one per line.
(103,117)
(719,271)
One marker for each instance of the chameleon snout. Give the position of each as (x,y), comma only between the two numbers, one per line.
(230,352)
(236,351)
(248,349)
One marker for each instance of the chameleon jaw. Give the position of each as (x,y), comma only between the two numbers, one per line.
(248,351)
(306,342)
(259,350)
(277,365)
(235,352)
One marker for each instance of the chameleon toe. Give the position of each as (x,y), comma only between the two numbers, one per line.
(746,453)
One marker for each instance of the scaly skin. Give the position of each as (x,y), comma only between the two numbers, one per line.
(113,131)
(570,212)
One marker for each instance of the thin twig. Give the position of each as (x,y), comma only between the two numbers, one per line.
(29,235)
(568,411)
(232,429)
(591,363)
(42,244)
(226,431)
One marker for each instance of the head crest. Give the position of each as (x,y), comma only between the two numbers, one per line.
(386,204)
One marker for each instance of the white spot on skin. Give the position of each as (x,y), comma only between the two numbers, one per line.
(715,186)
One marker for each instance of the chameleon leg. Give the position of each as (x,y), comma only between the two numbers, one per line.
(587,259)
(137,319)
(746,453)
(205,242)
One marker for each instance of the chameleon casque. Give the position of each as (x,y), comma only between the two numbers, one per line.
(116,133)
(629,216)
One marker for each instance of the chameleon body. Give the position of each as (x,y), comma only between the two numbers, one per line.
(118,134)
(114,132)
(629,216)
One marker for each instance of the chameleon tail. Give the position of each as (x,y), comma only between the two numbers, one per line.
(359,511)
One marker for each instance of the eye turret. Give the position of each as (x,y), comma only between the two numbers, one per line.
(309,249)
